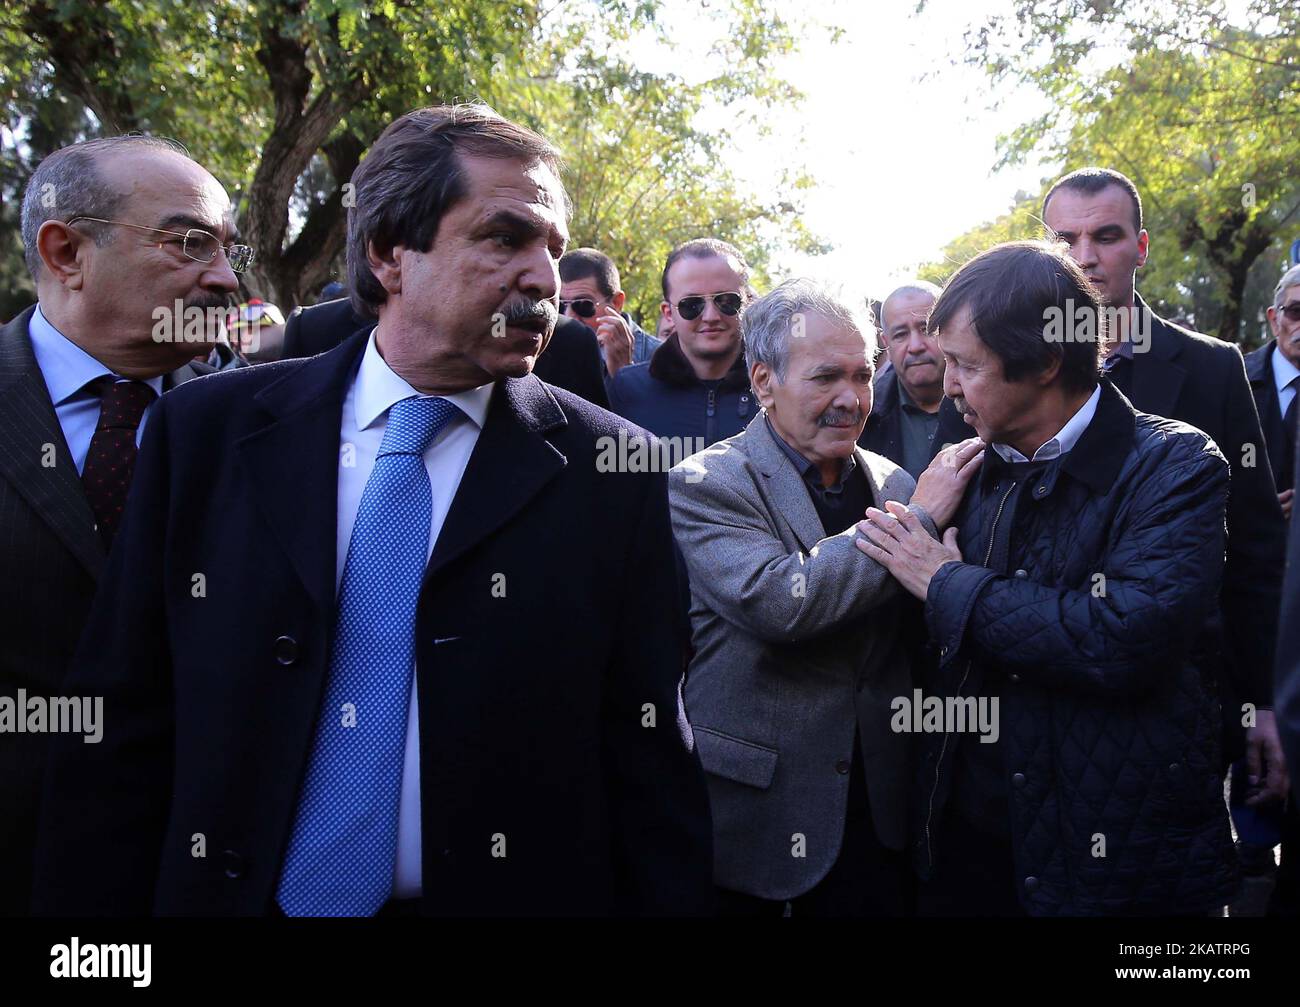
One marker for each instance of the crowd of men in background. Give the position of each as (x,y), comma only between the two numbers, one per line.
(941,613)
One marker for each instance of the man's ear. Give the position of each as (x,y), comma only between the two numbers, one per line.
(1144,241)
(618,300)
(761,377)
(666,310)
(60,248)
(386,264)
(1049,373)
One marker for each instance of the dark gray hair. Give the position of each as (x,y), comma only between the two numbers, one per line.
(68,184)
(413,175)
(1289,279)
(768,321)
(910,287)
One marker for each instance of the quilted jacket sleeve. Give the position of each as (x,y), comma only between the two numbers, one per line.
(1116,635)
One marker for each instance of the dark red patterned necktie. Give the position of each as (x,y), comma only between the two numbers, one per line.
(111,459)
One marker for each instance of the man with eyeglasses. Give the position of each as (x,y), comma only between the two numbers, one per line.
(591,292)
(1173,372)
(117,232)
(695,385)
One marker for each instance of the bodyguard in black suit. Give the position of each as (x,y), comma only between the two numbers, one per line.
(571,361)
(1274,374)
(79,373)
(542,765)
(1170,371)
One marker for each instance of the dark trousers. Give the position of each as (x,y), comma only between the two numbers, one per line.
(974,875)
(1285,900)
(866,880)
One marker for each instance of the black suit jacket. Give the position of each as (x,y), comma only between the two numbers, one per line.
(1259,372)
(1286,699)
(571,359)
(1202,381)
(51,558)
(544,643)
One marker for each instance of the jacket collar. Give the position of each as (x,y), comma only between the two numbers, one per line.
(669,365)
(1259,364)
(293,462)
(1099,453)
(790,496)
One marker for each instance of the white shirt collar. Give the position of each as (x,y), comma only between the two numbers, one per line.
(379,387)
(1065,439)
(1284,372)
(66,367)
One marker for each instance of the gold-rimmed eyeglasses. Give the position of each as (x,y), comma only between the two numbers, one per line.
(196,243)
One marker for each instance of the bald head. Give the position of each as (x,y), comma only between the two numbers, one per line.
(139,195)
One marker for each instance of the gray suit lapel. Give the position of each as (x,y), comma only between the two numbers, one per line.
(790,499)
(30,435)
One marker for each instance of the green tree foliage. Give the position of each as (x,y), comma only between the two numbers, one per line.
(281,98)
(1198,109)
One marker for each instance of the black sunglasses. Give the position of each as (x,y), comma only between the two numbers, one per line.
(584,307)
(1292,311)
(729,303)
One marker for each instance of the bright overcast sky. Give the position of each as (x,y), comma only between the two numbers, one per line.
(902,165)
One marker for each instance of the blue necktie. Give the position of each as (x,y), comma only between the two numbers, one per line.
(344,842)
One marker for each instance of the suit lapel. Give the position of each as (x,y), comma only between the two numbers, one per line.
(511,463)
(293,462)
(1157,377)
(790,499)
(28,424)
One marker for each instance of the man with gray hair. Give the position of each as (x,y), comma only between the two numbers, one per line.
(1274,373)
(909,420)
(799,648)
(127,239)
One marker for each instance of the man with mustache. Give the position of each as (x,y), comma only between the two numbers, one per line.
(454,689)
(104,227)
(799,639)
(1170,371)
(1076,591)
(910,418)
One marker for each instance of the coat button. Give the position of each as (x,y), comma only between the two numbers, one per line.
(1014,676)
(1031,884)
(286,650)
(842,766)
(1175,767)
(1040,491)
(1022,573)
(943,651)
(234,864)
(1018,780)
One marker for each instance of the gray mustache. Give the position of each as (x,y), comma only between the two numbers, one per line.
(531,311)
(838,418)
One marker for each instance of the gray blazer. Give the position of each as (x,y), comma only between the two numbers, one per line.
(797,642)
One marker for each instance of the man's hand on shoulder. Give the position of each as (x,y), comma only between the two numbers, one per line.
(942,484)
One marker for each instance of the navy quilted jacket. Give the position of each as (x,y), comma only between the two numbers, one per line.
(1108,707)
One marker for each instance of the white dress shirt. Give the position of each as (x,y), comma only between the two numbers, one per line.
(67,370)
(374,390)
(1284,372)
(1065,439)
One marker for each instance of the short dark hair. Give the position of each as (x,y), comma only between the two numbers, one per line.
(584,263)
(68,184)
(1094,180)
(1009,290)
(707,248)
(413,175)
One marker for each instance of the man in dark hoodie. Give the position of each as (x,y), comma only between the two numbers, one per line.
(695,385)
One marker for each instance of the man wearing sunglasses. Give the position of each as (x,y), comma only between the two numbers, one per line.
(113,230)
(695,385)
(1172,372)
(591,292)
